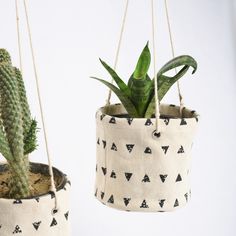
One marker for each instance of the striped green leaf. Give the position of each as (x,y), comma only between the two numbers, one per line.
(143,64)
(120,83)
(165,82)
(129,106)
(141,93)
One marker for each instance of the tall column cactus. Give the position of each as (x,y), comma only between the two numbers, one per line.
(17,128)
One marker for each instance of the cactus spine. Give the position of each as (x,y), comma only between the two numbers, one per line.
(17,129)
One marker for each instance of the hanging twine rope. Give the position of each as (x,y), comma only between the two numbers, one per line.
(53,187)
(181,100)
(157,106)
(118,48)
(18,35)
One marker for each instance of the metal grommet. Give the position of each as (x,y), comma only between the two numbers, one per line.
(55,211)
(156,134)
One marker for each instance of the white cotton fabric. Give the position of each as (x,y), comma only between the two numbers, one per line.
(131,177)
(29,217)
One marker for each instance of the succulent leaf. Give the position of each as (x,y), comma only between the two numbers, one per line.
(129,106)
(142,64)
(120,83)
(165,82)
(141,93)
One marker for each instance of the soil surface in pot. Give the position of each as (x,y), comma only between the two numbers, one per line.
(40,184)
(162,116)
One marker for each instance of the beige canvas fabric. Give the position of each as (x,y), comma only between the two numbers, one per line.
(29,217)
(137,172)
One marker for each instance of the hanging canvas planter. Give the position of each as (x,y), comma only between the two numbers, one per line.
(143,146)
(36,215)
(137,171)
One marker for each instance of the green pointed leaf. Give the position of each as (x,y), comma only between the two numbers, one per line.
(130,108)
(141,91)
(165,82)
(120,83)
(178,61)
(143,64)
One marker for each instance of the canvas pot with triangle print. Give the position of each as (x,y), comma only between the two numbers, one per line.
(36,216)
(138,172)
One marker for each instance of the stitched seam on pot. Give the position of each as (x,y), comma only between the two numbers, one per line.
(105,138)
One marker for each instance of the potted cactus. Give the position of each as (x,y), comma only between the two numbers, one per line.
(26,201)
(135,170)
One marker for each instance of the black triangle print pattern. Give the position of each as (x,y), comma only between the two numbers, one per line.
(144,204)
(165,148)
(186,196)
(146,179)
(104,170)
(161,202)
(179,178)
(17,201)
(176,203)
(96,193)
(66,215)
(111,199)
(183,122)
(128,176)
(113,147)
(52,194)
(148,122)
(102,116)
(54,222)
(163,178)
(17,230)
(126,201)
(104,143)
(36,225)
(181,150)
(129,120)
(167,120)
(130,147)
(112,120)
(98,142)
(148,150)
(37,199)
(113,174)
(102,195)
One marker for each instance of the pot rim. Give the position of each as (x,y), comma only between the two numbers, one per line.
(194,115)
(44,168)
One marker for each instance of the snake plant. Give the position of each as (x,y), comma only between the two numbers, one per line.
(17,128)
(138,95)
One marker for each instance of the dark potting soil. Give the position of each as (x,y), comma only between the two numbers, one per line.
(40,183)
(162,116)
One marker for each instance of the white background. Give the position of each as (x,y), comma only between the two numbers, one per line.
(69,37)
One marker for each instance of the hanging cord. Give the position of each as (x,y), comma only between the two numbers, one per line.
(157,106)
(181,100)
(18,35)
(53,187)
(118,47)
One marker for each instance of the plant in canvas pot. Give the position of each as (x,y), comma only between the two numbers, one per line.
(136,170)
(26,200)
